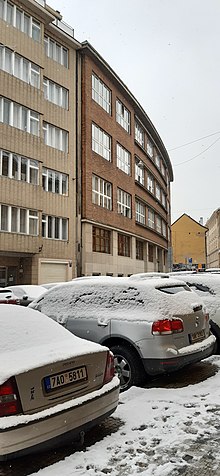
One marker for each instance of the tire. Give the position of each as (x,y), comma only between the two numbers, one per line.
(216,331)
(128,366)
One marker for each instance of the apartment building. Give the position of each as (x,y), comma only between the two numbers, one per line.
(38,68)
(84,175)
(126,175)
(213,240)
(188,243)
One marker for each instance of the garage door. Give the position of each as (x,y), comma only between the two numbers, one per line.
(52,272)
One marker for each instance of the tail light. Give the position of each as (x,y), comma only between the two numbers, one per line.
(167,326)
(9,399)
(110,368)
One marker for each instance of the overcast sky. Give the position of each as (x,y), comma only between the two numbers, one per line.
(167,53)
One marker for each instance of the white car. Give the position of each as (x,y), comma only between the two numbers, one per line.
(53,385)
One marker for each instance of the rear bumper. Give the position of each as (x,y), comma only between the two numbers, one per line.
(24,434)
(188,355)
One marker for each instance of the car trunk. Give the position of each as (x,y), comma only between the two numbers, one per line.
(59,382)
(196,328)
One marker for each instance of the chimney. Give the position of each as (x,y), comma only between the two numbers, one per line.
(201,221)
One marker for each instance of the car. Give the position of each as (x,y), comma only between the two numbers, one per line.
(8,297)
(151,324)
(54,386)
(207,286)
(212,270)
(26,293)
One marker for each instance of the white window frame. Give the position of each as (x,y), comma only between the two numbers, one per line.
(123,159)
(157,161)
(20,227)
(27,24)
(164,229)
(150,183)
(139,171)
(47,173)
(101,142)
(124,203)
(20,117)
(123,116)
(101,94)
(140,212)
(55,137)
(56,51)
(61,222)
(158,224)
(157,192)
(151,218)
(101,192)
(163,198)
(150,148)
(139,134)
(56,94)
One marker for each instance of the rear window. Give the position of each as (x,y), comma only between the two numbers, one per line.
(174,289)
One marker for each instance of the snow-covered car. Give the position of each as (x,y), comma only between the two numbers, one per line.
(151,325)
(53,385)
(26,293)
(207,286)
(8,297)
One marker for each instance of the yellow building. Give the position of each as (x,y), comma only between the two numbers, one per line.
(188,243)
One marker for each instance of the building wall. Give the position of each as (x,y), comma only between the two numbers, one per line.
(213,240)
(24,253)
(188,242)
(93,163)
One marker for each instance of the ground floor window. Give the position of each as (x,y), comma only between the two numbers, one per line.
(101,240)
(150,253)
(139,250)
(124,245)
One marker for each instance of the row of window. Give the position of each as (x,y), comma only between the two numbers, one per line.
(29,72)
(21,20)
(145,178)
(15,115)
(22,220)
(102,196)
(27,170)
(102,243)
(102,95)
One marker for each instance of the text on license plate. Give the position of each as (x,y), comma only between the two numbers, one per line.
(197,336)
(68,377)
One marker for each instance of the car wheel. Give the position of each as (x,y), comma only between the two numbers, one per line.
(216,331)
(128,367)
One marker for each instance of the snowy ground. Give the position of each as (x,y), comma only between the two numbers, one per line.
(165,432)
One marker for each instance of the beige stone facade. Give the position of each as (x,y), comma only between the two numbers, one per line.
(213,240)
(84,175)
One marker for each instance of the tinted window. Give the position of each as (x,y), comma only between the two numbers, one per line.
(174,289)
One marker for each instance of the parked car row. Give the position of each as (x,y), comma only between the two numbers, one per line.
(65,356)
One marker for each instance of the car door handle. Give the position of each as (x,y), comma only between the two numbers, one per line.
(102,324)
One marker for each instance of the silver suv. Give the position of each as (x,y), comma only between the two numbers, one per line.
(152,325)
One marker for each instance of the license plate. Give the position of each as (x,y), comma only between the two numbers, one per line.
(68,377)
(197,336)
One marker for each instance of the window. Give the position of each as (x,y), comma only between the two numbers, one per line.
(139,134)
(140,212)
(163,199)
(18,220)
(55,51)
(164,229)
(101,240)
(55,182)
(123,159)
(18,167)
(101,94)
(56,94)
(18,116)
(139,250)
(150,218)
(150,183)
(16,17)
(123,116)
(157,161)
(54,227)
(163,169)
(157,191)
(55,137)
(150,253)
(150,149)
(101,192)
(101,142)
(124,245)
(158,224)
(139,171)
(124,203)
